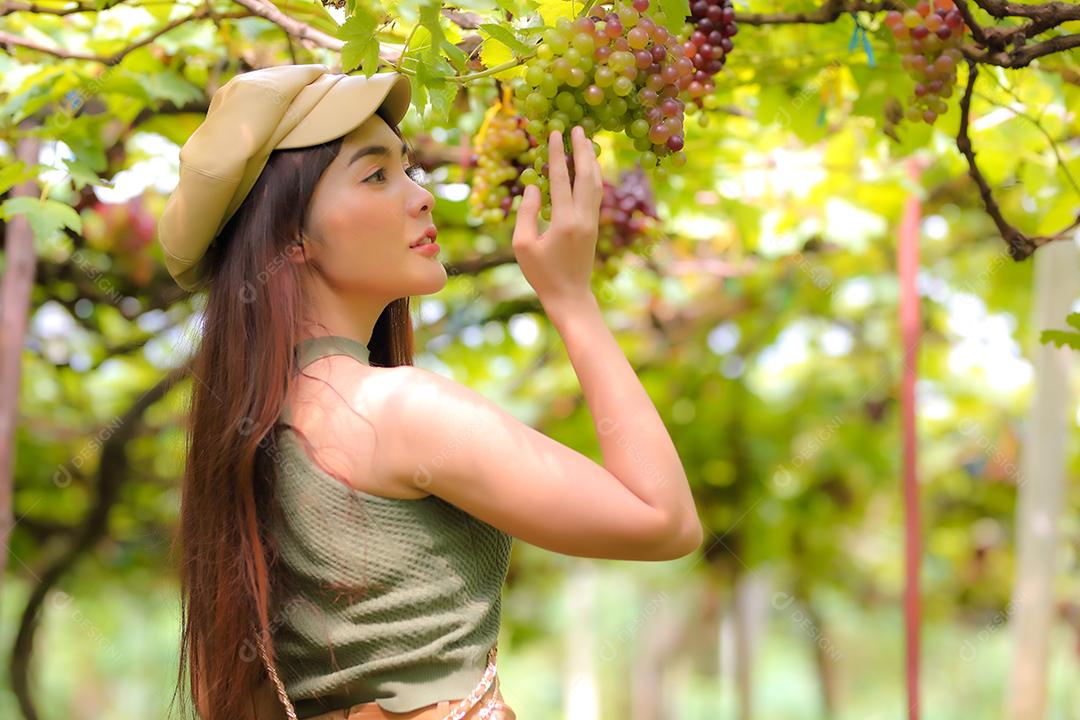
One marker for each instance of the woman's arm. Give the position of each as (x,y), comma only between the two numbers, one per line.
(636,445)
(454,443)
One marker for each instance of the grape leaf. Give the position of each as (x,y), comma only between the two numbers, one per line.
(429,18)
(1061,338)
(45,216)
(551,10)
(17,172)
(675,13)
(440,93)
(494,54)
(83,175)
(456,55)
(507,38)
(358,32)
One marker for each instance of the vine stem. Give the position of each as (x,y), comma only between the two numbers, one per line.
(469,77)
(405,49)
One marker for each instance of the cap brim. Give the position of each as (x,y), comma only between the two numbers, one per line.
(347,105)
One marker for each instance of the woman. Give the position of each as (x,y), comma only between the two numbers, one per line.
(347,518)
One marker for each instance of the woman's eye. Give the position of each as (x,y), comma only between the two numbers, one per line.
(416,172)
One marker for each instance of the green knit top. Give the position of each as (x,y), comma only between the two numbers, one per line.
(390,600)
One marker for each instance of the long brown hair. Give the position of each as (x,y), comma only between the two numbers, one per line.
(241,372)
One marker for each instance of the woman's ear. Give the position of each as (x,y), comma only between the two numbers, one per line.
(299,251)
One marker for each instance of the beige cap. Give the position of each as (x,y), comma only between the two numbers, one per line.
(251,115)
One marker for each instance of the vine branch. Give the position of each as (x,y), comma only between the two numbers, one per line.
(829,12)
(991,43)
(113,470)
(109,60)
(1021,246)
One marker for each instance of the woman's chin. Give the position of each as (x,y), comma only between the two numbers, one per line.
(435,281)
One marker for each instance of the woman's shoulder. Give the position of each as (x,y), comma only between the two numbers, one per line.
(350,413)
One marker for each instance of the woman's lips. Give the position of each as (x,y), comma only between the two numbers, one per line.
(430,249)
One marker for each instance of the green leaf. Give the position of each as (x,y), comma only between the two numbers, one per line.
(1061,338)
(358,32)
(456,55)
(17,172)
(873,85)
(360,26)
(352,54)
(369,62)
(494,54)
(507,38)
(419,98)
(675,12)
(167,85)
(552,10)
(429,19)
(83,175)
(1058,213)
(122,82)
(160,11)
(34,92)
(773,104)
(175,128)
(45,216)
(440,93)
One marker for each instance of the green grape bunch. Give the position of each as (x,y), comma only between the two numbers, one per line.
(621,73)
(502,150)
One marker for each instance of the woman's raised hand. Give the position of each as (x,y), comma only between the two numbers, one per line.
(558,263)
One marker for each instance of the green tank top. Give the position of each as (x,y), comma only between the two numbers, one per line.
(377,599)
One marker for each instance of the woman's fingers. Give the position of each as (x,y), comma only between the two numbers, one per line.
(525,230)
(586,171)
(559,176)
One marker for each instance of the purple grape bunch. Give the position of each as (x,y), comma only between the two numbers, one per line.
(626,212)
(708,42)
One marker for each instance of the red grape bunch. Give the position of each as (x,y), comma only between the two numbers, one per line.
(621,73)
(502,152)
(708,34)
(929,38)
(625,212)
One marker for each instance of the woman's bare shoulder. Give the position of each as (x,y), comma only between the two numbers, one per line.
(345,408)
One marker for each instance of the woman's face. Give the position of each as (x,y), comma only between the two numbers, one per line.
(365,213)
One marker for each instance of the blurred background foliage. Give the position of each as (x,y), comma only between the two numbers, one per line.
(760,310)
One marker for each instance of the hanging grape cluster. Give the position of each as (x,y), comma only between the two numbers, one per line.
(621,73)
(929,38)
(502,152)
(711,26)
(625,213)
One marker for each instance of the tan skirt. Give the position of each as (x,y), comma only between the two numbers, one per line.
(489,706)
(484,702)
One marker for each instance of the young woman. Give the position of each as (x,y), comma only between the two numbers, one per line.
(347,518)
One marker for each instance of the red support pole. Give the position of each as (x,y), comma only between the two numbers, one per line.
(908,265)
